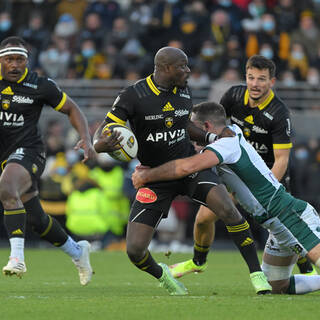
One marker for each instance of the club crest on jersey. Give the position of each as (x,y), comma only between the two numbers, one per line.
(246,132)
(5,104)
(34,168)
(168,122)
(146,195)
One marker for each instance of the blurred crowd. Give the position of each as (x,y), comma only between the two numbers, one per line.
(80,39)
(117,39)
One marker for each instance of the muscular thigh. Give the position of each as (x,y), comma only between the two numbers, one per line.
(30,163)
(293,233)
(152,202)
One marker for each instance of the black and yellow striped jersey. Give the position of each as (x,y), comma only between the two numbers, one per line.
(266,127)
(158,117)
(21,106)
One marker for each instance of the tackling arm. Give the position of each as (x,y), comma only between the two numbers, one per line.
(175,169)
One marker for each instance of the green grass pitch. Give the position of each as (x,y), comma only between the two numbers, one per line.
(51,290)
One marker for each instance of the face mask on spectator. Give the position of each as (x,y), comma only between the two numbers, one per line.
(288,82)
(268,53)
(53,54)
(302,154)
(172,1)
(5,25)
(313,80)
(225,3)
(208,52)
(297,55)
(268,25)
(88,53)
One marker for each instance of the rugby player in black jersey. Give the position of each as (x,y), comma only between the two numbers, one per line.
(158,109)
(265,122)
(22,156)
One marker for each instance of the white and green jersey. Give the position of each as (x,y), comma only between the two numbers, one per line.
(239,157)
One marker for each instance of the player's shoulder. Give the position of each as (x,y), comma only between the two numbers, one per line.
(277,107)
(31,80)
(236,92)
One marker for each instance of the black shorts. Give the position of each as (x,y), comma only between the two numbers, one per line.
(33,160)
(153,201)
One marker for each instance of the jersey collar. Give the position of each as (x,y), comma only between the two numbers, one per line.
(261,105)
(22,77)
(157,89)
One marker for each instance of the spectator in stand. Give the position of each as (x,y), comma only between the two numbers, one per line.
(313,77)
(36,33)
(211,58)
(6,28)
(190,35)
(87,60)
(93,29)
(286,15)
(234,12)
(108,10)
(66,28)
(133,57)
(55,59)
(199,78)
(119,34)
(308,34)
(76,8)
(288,79)
(139,15)
(298,61)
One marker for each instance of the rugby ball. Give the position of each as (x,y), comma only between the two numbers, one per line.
(129,148)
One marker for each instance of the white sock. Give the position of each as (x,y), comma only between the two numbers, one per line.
(17,248)
(71,248)
(305,284)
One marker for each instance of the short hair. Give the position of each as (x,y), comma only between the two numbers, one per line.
(15,41)
(210,111)
(261,62)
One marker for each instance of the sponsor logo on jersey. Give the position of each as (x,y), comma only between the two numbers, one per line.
(172,136)
(249,119)
(183,95)
(288,129)
(268,115)
(21,99)
(260,148)
(259,130)
(11,119)
(154,117)
(30,85)
(168,122)
(168,107)
(7,91)
(5,104)
(181,112)
(146,195)
(237,121)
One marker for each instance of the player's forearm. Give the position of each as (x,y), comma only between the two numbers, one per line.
(79,122)
(279,168)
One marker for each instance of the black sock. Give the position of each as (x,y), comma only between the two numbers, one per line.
(15,222)
(292,286)
(304,265)
(148,264)
(200,254)
(46,226)
(242,237)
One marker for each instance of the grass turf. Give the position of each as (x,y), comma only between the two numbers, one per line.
(51,290)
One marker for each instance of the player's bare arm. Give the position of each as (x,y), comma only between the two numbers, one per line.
(79,122)
(281,159)
(106,141)
(175,169)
